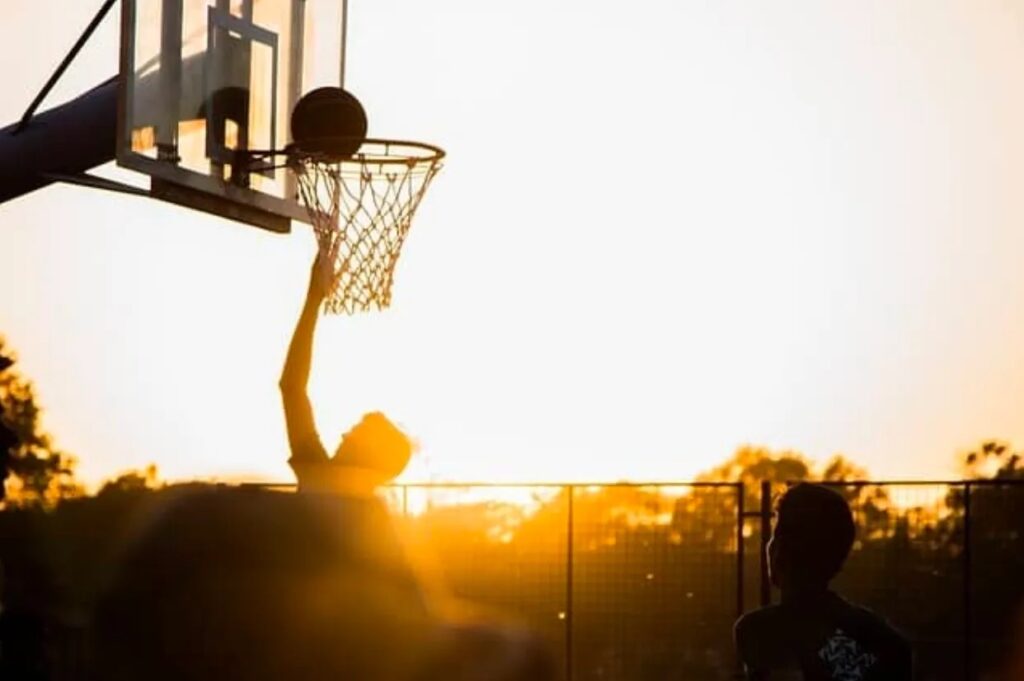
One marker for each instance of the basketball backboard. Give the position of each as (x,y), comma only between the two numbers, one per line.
(203,81)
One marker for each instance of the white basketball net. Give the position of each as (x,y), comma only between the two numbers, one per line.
(361,209)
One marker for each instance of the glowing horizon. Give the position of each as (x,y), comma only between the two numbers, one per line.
(697,227)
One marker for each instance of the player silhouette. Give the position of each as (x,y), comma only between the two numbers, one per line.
(814,634)
(372,453)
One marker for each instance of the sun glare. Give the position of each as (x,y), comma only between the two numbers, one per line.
(761,256)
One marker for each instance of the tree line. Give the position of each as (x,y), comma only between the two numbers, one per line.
(650,591)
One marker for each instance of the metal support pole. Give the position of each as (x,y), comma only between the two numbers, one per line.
(571,491)
(968,604)
(26,118)
(405,501)
(344,42)
(741,519)
(295,84)
(766,531)
(65,141)
(172,18)
(740,522)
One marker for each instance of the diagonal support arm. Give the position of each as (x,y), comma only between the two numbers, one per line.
(82,40)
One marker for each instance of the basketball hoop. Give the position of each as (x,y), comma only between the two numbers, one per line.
(359,194)
(361,207)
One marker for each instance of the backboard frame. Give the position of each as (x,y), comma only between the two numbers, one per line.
(180,185)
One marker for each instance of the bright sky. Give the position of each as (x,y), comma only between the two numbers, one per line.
(667,227)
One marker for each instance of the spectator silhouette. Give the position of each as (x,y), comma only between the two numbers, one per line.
(813,633)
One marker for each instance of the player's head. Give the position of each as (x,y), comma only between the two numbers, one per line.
(377,446)
(812,537)
(252,584)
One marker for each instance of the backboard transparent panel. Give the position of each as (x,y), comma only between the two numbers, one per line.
(323,64)
(207,81)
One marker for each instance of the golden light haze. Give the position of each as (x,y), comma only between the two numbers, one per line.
(664,229)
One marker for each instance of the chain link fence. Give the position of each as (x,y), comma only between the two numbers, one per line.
(642,582)
(638,582)
(624,581)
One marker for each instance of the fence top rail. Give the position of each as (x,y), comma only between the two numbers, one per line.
(995,481)
(973,482)
(908,483)
(464,485)
(868,483)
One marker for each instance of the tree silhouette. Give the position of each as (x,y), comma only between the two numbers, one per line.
(132,481)
(752,464)
(993,459)
(839,468)
(34,472)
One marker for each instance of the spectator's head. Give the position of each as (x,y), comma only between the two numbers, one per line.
(252,584)
(376,446)
(812,537)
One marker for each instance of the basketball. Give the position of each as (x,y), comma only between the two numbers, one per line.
(329,121)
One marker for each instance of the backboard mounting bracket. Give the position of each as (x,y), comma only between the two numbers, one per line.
(182,196)
(96,182)
(239,212)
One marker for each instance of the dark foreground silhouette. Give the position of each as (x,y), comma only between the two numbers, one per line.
(254,584)
(815,634)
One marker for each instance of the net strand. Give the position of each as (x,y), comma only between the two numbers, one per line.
(361,213)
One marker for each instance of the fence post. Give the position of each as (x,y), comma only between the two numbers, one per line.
(766,531)
(968,605)
(740,521)
(571,491)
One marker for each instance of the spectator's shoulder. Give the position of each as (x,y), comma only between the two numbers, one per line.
(885,639)
(753,624)
(870,620)
(758,642)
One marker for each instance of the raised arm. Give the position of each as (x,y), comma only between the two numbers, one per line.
(306,447)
